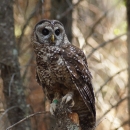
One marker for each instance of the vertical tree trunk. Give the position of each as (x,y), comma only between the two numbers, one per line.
(10,71)
(128,46)
(58,7)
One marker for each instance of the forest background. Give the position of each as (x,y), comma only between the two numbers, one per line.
(99,27)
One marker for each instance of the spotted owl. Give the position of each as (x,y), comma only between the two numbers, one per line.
(63,72)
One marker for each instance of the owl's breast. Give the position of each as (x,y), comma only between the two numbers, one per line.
(49,56)
(51,67)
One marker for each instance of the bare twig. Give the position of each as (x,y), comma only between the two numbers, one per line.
(27,117)
(63,120)
(23,51)
(26,6)
(116,105)
(103,44)
(99,122)
(101,18)
(68,10)
(96,23)
(101,87)
(28,21)
(7,111)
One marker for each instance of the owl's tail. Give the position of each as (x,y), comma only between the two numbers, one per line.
(86,120)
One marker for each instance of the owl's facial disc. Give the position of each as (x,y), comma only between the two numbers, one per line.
(50,33)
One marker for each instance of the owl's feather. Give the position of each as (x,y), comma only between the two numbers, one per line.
(76,63)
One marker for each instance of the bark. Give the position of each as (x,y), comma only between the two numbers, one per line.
(58,7)
(10,71)
(128,46)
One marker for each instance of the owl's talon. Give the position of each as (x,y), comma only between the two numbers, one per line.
(68,99)
(53,107)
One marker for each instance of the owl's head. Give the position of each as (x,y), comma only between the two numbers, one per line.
(49,32)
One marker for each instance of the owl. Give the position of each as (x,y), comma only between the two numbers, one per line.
(62,71)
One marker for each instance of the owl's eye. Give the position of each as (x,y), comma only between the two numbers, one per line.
(57,32)
(45,31)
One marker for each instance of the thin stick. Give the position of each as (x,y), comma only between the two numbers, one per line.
(101,18)
(68,10)
(101,87)
(28,21)
(113,106)
(6,111)
(27,117)
(103,44)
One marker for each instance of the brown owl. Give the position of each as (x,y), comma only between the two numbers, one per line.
(62,71)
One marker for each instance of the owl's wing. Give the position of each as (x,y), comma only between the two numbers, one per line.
(43,87)
(76,63)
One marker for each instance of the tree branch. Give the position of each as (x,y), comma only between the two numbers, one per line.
(113,106)
(68,10)
(101,87)
(65,119)
(28,21)
(27,117)
(103,44)
(101,18)
(6,111)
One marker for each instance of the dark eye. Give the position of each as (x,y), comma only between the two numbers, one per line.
(45,31)
(57,32)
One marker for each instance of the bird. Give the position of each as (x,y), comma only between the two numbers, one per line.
(62,71)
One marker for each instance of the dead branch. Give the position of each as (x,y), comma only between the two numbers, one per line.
(68,10)
(96,24)
(27,117)
(103,44)
(113,106)
(65,119)
(109,79)
(24,50)
(28,21)
(6,111)
(99,122)
(101,18)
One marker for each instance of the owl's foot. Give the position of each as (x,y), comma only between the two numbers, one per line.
(53,106)
(68,99)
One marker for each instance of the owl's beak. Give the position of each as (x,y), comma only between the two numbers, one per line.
(52,38)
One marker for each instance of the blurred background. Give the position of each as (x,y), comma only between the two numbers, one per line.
(98,27)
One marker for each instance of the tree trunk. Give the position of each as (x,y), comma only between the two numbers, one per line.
(10,71)
(128,46)
(58,7)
